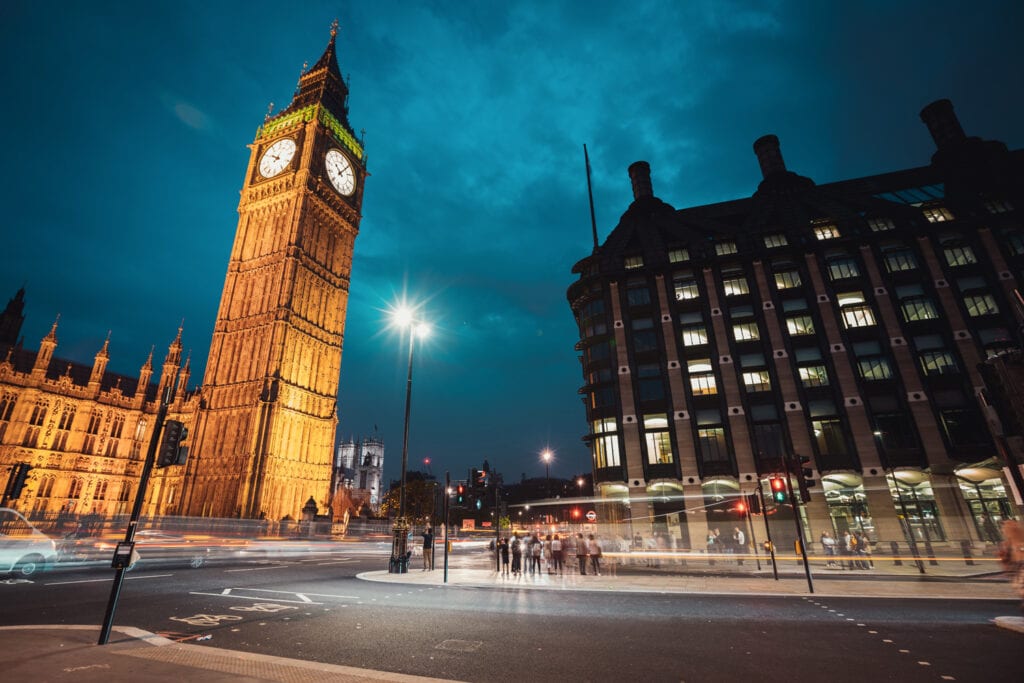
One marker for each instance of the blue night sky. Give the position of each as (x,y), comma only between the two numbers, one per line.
(126,127)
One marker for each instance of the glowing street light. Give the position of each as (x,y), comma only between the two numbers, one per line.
(404,318)
(546,455)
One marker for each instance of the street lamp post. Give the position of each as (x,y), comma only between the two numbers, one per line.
(399,555)
(546,457)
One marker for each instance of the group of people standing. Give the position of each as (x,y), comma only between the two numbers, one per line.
(853,550)
(732,544)
(527,554)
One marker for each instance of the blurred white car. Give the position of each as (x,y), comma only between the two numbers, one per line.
(24,550)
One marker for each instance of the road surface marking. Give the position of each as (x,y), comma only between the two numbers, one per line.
(256,569)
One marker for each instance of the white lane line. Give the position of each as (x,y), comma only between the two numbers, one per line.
(256,569)
(129,578)
(315,595)
(249,597)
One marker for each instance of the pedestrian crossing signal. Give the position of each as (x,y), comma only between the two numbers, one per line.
(779,489)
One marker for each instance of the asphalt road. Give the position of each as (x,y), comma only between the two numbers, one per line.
(314,608)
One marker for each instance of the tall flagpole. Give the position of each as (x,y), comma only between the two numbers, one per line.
(590,194)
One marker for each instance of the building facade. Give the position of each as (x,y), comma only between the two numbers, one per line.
(264,435)
(359,469)
(261,428)
(83,429)
(843,322)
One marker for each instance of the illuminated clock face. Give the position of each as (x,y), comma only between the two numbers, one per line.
(277,157)
(340,172)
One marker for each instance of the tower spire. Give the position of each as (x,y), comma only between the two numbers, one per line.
(322,82)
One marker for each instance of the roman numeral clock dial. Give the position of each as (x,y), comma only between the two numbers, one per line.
(339,172)
(277,157)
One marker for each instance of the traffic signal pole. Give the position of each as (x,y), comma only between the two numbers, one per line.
(768,530)
(799,525)
(133,522)
(447,503)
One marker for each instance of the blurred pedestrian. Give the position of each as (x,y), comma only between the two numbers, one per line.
(517,554)
(594,550)
(503,552)
(1011,555)
(581,553)
(739,540)
(556,554)
(428,548)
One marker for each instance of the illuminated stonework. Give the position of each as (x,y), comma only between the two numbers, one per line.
(265,429)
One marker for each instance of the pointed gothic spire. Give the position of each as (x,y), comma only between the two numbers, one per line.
(322,83)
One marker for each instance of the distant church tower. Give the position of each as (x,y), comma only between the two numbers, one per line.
(265,430)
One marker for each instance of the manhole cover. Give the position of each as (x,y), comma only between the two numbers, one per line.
(460,645)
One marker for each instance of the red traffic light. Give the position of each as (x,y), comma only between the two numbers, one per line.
(741,507)
(778,484)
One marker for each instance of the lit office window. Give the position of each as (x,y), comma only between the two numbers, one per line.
(854,310)
(874,367)
(936,214)
(840,268)
(695,335)
(800,324)
(937,362)
(745,332)
(735,286)
(607,424)
(898,259)
(813,376)
(634,262)
(826,231)
(678,255)
(659,445)
(725,247)
(787,279)
(980,304)
(961,255)
(757,381)
(702,377)
(918,308)
(685,287)
(606,452)
(776,240)
(881,224)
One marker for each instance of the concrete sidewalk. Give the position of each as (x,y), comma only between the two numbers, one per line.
(70,653)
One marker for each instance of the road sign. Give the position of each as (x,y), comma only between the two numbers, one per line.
(591,516)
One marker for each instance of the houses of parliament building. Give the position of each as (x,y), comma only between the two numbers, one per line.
(261,426)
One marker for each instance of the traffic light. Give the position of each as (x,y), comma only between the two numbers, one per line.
(753,504)
(171,451)
(805,477)
(779,489)
(741,506)
(460,496)
(16,482)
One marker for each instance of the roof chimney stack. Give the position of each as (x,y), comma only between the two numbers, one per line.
(943,124)
(640,175)
(769,156)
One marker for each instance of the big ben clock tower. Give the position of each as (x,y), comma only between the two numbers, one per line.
(264,434)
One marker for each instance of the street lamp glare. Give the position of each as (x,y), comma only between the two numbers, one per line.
(403,316)
(422,330)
